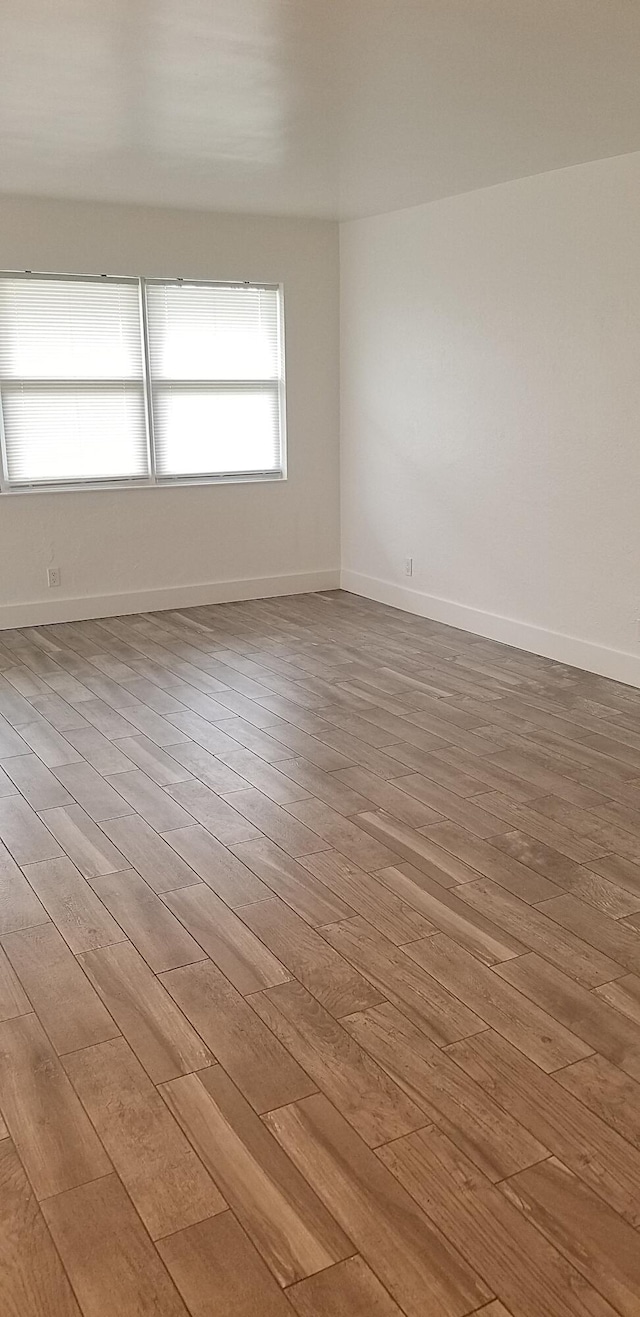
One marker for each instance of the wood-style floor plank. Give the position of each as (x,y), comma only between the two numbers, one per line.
(23,833)
(508,1011)
(19,905)
(328,976)
(153,725)
(342,834)
(52,1134)
(489,861)
(72,904)
(83,841)
(274,1202)
(471,769)
(13,706)
(531,1276)
(36,782)
(545,828)
(108,1254)
(264,1071)
(276,823)
(32,1280)
(214,863)
(399,920)
(369,1099)
(448,914)
(329,788)
(601,1026)
(624,994)
(620,871)
(289,880)
(495,1309)
(204,766)
(98,799)
(13,999)
(216,1268)
(156,763)
(593,1238)
(145,919)
(153,1025)
(218,816)
(11,743)
(396,798)
(142,796)
(537,930)
(614,939)
(435,1010)
(98,751)
(540,857)
(579,1138)
(349,1289)
(166,1182)
(419,1267)
(595,828)
(280,787)
(66,1003)
(448,805)
(299,743)
(233,947)
(45,741)
(486,1133)
(148,853)
(7,787)
(227,735)
(606,1091)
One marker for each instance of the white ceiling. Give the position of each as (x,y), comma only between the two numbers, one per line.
(309,107)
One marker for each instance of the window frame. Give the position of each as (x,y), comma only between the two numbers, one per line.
(152,480)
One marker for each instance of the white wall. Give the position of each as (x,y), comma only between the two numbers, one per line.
(491,412)
(147,548)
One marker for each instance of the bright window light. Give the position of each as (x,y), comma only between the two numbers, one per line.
(108,380)
(71,380)
(216,378)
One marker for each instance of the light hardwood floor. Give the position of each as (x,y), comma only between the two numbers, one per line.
(319,970)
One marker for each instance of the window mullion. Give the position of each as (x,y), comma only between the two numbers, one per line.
(148,387)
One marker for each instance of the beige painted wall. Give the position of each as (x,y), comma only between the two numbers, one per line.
(491,412)
(145,548)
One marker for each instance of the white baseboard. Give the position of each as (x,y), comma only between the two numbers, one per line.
(615,663)
(59,609)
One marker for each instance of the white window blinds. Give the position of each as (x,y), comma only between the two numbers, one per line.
(106,380)
(216,367)
(71,380)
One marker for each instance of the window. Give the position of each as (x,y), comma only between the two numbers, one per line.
(216,378)
(111,381)
(71,380)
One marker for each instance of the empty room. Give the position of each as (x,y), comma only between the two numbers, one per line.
(319,658)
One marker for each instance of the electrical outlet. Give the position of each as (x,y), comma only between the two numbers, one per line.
(408,566)
(53,577)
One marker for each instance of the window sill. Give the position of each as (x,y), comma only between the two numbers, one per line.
(277,477)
